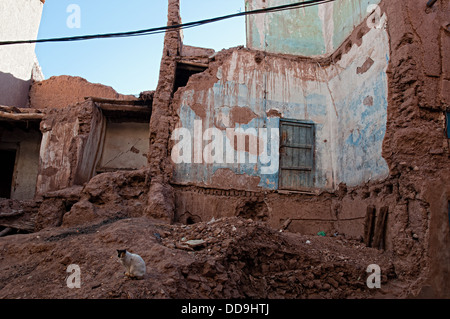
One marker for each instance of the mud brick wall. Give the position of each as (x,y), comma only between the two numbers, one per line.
(415,192)
(71,140)
(415,146)
(161,198)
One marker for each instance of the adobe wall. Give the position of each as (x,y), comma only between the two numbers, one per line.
(71,142)
(161,195)
(414,186)
(125,146)
(62,91)
(247,90)
(415,146)
(73,130)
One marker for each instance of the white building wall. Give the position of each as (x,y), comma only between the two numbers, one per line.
(19,20)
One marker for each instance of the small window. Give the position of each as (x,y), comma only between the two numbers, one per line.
(296,155)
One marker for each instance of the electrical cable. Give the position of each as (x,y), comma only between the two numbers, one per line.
(157,30)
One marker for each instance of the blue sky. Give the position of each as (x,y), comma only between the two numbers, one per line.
(129,65)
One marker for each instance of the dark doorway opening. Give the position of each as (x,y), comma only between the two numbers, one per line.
(184,71)
(7,164)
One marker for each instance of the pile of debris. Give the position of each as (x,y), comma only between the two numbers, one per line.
(255,261)
(224,258)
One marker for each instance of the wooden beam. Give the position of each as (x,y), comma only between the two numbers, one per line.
(17,219)
(125,108)
(27,225)
(369,223)
(115,102)
(5,231)
(5,116)
(195,64)
(13,213)
(380,229)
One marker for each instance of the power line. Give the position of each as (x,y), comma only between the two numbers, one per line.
(152,31)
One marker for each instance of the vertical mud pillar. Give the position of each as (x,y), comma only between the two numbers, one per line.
(415,146)
(379,233)
(161,201)
(369,225)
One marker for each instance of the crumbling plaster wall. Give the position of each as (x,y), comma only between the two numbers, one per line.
(343,95)
(71,142)
(125,146)
(310,31)
(246,89)
(73,130)
(358,94)
(64,90)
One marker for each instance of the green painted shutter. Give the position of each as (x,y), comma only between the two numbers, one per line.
(296,155)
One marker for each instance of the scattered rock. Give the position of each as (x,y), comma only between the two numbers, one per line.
(196,243)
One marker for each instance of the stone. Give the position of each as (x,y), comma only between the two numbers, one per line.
(196,243)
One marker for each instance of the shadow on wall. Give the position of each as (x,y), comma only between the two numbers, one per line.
(13,91)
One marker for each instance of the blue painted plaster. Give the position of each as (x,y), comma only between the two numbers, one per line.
(362,130)
(348,14)
(301,31)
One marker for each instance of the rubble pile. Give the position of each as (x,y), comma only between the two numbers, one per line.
(224,258)
(243,258)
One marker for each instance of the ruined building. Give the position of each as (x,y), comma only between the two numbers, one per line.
(333,118)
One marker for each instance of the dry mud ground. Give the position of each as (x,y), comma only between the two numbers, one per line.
(231,258)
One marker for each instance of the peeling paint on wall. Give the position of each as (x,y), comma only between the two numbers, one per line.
(349,133)
(311,31)
(125,146)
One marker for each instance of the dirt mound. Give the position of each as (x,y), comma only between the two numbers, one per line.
(224,258)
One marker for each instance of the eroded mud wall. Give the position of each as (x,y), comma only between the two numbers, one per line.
(161,197)
(394,76)
(62,91)
(70,146)
(415,146)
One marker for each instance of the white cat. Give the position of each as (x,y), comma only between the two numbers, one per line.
(134,264)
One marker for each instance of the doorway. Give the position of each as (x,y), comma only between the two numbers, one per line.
(7,164)
(296,155)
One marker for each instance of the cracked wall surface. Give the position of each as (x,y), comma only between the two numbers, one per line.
(345,100)
(309,31)
(382,98)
